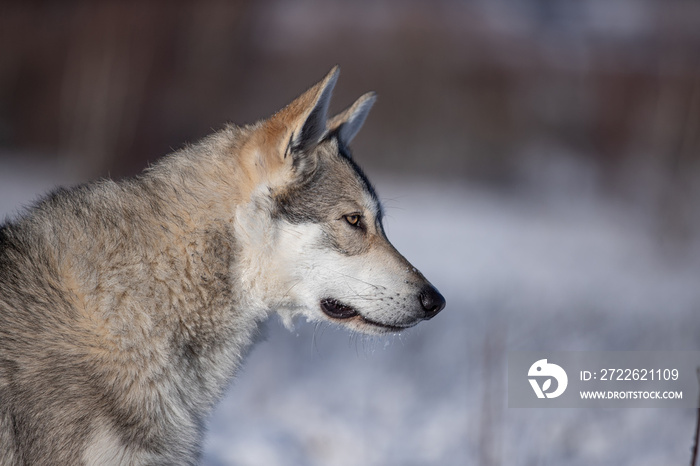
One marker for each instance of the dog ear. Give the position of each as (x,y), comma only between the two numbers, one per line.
(288,136)
(348,122)
(304,120)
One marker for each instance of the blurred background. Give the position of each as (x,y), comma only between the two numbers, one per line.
(539,161)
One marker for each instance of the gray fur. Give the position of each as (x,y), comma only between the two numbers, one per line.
(56,378)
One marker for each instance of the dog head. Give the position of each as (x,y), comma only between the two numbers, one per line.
(326,254)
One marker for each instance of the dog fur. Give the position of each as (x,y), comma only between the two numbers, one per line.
(126,307)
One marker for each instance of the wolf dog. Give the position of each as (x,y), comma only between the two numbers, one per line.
(126,307)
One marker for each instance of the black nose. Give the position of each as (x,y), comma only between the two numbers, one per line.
(432,301)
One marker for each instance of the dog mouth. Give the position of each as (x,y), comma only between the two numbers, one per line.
(337,310)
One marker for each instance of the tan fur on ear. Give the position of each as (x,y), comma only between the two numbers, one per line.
(302,123)
(278,147)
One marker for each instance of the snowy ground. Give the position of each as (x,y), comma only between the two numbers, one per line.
(518,272)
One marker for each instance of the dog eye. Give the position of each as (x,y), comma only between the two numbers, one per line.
(353,219)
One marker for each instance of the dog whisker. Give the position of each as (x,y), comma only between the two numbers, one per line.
(355,278)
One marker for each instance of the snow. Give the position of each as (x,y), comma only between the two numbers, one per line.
(518,272)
